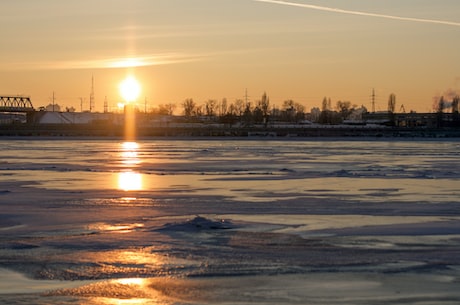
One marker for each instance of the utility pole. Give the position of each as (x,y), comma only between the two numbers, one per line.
(53,101)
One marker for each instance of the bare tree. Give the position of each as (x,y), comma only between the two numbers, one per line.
(344,108)
(299,108)
(239,107)
(455,104)
(166,109)
(440,111)
(391,103)
(232,110)
(288,110)
(441,105)
(288,105)
(326,105)
(189,107)
(171,107)
(198,111)
(264,104)
(210,107)
(293,111)
(223,107)
(264,107)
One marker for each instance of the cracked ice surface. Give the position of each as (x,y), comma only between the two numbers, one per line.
(229,222)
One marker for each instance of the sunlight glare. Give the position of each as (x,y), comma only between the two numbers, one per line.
(129,154)
(127,63)
(129,181)
(132,281)
(109,301)
(130,89)
(130,145)
(116,228)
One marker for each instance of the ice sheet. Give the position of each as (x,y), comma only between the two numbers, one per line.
(229,222)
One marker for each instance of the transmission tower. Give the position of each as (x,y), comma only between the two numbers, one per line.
(246,97)
(373,100)
(106,105)
(91,96)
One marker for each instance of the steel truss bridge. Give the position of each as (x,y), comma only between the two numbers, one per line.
(16,104)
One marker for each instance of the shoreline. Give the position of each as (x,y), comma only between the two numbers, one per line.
(223,138)
(209,131)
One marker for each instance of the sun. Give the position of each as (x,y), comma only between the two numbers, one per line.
(130,89)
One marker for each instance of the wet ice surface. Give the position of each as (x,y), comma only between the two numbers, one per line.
(229,222)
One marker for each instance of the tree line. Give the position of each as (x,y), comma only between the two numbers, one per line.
(246,112)
(262,112)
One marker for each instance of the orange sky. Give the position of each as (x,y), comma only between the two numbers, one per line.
(207,49)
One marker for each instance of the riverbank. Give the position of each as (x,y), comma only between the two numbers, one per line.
(204,130)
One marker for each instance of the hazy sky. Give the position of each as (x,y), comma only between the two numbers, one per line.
(210,49)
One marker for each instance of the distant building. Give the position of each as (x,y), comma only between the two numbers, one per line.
(411,119)
(53,117)
(12,118)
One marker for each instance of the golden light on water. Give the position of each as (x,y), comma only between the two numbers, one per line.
(130,145)
(116,228)
(129,181)
(132,281)
(129,153)
(108,301)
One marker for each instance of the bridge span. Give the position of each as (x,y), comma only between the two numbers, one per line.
(16,103)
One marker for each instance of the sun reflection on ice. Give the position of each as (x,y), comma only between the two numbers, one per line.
(130,145)
(129,153)
(130,181)
(132,291)
(116,228)
(126,302)
(132,281)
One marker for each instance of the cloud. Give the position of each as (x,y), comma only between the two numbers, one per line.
(359,13)
(105,63)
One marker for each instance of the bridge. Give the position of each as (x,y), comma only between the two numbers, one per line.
(16,104)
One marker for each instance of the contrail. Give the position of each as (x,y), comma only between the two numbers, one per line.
(342,11)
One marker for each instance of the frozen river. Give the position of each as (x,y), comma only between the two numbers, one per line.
(229,222)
